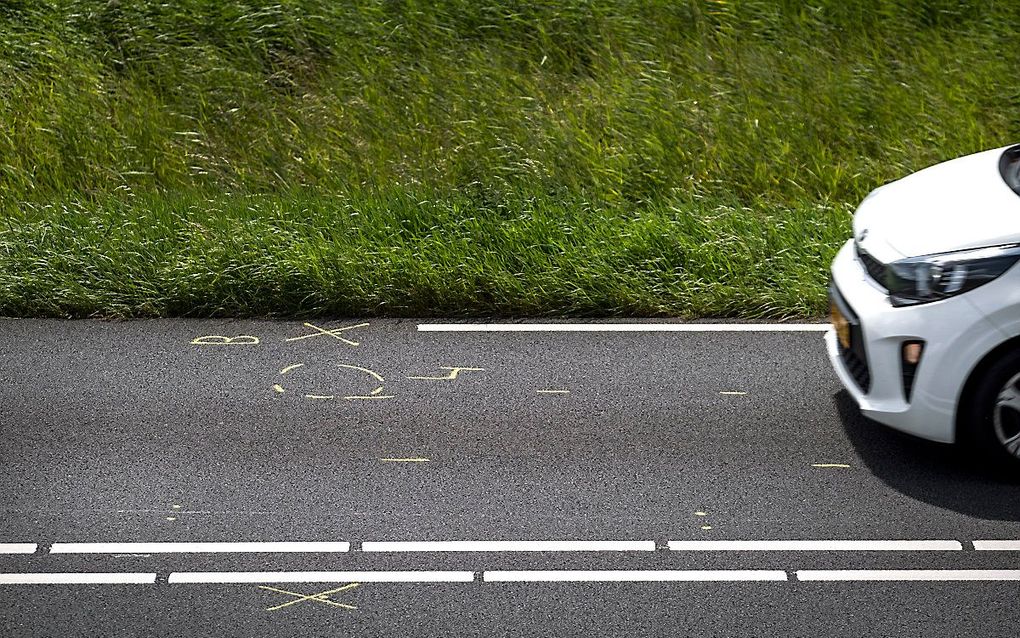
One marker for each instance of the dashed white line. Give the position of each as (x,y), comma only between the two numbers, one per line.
(815,546)
(908,574)
(997,546)
(509,546)
(322,577)
(632,576)
(78,578)
(623,327)
(18,548)
(185,548)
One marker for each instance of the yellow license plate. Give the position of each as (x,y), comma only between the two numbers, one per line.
(841,325)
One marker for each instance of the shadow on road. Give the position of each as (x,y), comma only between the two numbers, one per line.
(941,475)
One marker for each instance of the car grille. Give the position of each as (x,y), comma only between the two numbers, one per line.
(875,268)
(855,360)
(854,357)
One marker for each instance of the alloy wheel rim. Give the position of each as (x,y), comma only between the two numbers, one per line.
(1006,416)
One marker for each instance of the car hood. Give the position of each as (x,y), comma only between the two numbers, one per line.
(959,204)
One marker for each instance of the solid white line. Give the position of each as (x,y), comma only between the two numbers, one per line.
(322,577)
(18,548)
(815,546)
(78,578)
(623,327)
(181,548)
(909,574)
(997,546)
(509,546)
(631,576)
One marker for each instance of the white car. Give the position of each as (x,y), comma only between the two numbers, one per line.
(925,304)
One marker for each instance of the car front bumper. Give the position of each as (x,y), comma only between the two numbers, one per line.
(955,336)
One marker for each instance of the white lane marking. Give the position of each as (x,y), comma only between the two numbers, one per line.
(633,576)
(78,578)
(815,546)
(323,577)
(182,548)
(509,546)
(18,548)
(997,546)
(623,327)
(909,574)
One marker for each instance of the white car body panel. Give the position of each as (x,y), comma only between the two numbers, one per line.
(959,204)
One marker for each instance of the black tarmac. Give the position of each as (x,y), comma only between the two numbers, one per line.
(187,431)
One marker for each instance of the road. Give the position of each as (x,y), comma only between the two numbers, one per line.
(355,435)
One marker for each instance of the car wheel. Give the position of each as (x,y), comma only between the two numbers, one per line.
(995,412)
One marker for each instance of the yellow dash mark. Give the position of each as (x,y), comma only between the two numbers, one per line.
(365,370)
(171,518)
(278,388)
(176,507)
(368,398)
(554,391)
(408,460)
(450,377)
(376,391)
(706,527)
(319,396)
(321,597)
(291,367)
(220,340)
(735,394)
(830,465)
(700,514)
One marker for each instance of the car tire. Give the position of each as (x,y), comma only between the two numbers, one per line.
(993,421)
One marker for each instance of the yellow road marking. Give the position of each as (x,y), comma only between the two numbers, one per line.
(700,513)
(365,370)
(706,527)
(450,377)
(369,398)
(321,597)
(332,333)
(408,460)
(829,465)
(554,391)
(225,341)
(736,394)
(278,388)
(319,396)
(291,367)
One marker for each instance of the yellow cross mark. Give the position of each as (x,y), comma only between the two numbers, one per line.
(321,597)
(335,333)
(450,377)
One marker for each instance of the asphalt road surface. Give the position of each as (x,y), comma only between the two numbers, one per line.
(367,478)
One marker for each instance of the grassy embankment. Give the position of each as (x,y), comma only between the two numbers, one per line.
(467,157)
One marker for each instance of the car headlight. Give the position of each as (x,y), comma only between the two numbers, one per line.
(923,279)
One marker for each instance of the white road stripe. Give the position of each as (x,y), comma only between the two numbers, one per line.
(997,546)
(631,576)
(78,578)
(18,548)
(623,327)
(909,574)
(182,548)
(819,546)
(509,546)
(323,577)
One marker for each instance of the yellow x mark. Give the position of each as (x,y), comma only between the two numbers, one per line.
(321,597)
(335,333)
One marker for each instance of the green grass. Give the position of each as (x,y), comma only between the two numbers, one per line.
(470,158)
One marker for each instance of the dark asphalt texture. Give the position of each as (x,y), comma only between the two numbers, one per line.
(126,432)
